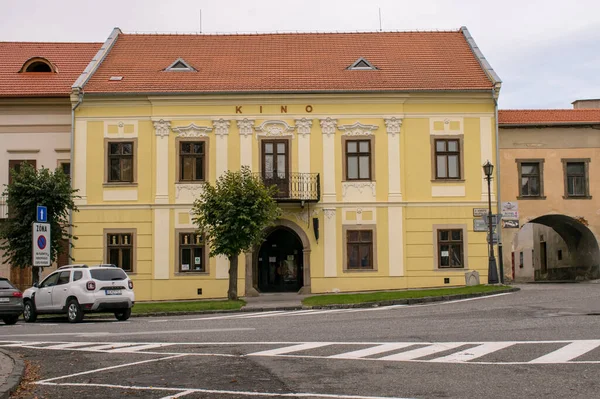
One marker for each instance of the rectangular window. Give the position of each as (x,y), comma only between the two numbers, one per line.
(15,164)
(192,156)
(358,160)
(191,253)
(450,248)
(120,162)
(120,250)
(576,179)
(447,159)
(359,247)
(530,179)
(65,166)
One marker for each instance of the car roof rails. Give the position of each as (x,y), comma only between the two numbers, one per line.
(106,265)
(73,267)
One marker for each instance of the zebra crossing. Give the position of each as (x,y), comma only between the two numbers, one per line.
(502,352)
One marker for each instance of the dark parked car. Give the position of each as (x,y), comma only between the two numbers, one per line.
(11,302)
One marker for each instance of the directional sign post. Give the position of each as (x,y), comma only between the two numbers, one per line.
(41,244)
(41,214)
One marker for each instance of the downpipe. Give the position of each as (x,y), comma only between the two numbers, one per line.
(498,198)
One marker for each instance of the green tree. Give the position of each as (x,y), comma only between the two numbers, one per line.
(28,189)
(233,214)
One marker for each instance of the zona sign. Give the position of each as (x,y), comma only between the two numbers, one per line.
(41,245)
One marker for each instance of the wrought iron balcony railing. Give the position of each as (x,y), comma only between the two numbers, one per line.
(294,187)
(3,207)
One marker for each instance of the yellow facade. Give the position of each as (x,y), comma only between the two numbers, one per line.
(402,204)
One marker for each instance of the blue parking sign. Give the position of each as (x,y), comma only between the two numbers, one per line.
(42,214)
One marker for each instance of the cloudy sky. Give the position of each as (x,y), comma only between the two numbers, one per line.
(546,52)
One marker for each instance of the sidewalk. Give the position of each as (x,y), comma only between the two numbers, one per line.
(11,372)
(275,301)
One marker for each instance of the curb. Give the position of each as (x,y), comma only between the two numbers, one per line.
(411,301)
(14,379)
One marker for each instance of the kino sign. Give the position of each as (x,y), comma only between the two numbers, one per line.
(41,239)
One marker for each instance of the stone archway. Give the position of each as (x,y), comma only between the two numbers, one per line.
(555,247)
(252,258)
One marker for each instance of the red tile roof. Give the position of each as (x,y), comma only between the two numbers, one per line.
(548,116)
(294,62)
(70,60)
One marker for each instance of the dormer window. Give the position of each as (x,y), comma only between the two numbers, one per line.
(38,64)
(361,64)
(180,65)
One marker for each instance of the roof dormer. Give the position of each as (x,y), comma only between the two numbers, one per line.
(180,66)
(38,64)
(362,64)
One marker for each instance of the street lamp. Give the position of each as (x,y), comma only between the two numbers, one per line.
(488,169)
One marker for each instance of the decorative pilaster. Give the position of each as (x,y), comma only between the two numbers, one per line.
(221,127)
(328,126)
(161,257)
(392,126)
(330,242)
(303,126)
(246,128)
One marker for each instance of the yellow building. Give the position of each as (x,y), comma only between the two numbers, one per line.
(375,140)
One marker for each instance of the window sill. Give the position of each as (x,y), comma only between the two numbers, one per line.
(540,197)
(359,270)
(450,269)
(577,197)
(447,181)
(191,182)
(358,181)
(191,274)
(118,184)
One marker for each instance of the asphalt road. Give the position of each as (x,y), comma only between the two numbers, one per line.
(543,341)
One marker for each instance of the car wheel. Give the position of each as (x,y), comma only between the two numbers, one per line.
(123,315)
(74,312)
(10,320)
(29,313)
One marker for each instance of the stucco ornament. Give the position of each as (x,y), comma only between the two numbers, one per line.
(303,126)
(275,128)
(194,189)
(301,216)
(246,126)
(358,129)
(192,130)
(392,125)
(162,128)
(328,125)
(359,185)
(221,127)
(329,213)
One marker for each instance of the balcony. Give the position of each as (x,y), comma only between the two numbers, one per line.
(3,207)
(295,187)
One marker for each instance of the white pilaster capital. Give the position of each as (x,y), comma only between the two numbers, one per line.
(329,212)
(393,125)
(162,128)
(328,125)
(221,127)
(303,126)
(246,126)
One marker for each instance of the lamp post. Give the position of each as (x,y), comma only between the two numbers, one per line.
(488,169)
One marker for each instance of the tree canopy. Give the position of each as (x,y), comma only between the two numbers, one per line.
(233,214)
(28,189)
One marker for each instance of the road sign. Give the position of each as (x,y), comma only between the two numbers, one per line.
(510,206)
(495,238)
(495,219)
(510,224)
(510,214)
(41,244)
(479,225)
(41,214)
(480,211)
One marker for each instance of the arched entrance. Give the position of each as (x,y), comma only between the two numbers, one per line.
(280,262)
(289,240)
(555,247)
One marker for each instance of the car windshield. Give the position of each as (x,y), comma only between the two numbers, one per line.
(5,285)
(108,274)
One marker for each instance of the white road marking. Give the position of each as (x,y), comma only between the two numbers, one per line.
(473,353)
(290,349)
(179,395)
(374,350)
(106,347)
(568,352)
(422,352)
(104,333)
(69,345)
(110,368)
(159,321)
(136,348)
(222,392)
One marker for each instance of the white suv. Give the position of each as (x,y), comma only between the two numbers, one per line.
(79,289)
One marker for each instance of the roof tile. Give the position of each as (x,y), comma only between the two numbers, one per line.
(548,116)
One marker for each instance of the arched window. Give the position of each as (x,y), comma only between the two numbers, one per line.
(38,64)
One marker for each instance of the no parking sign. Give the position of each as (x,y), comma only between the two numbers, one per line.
(41,244)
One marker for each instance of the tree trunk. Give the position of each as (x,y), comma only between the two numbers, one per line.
(233,278)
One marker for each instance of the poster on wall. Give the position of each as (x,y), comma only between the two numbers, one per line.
(185,266)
